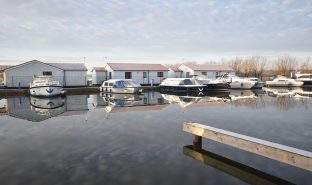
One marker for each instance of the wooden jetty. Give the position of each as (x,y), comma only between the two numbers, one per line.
(245,173)
(278,152)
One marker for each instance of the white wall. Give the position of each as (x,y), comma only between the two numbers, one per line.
(75,78)
(98,77)
(24,74)
(186,69)
(174,74)
(138,76)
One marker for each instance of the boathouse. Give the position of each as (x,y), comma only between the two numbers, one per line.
(98,75)
(175,72)
(69,74)
(208,70)
(145,74)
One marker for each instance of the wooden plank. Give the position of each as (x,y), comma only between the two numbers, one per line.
(238,170)
(282,153)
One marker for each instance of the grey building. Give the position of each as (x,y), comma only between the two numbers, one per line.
(69,74)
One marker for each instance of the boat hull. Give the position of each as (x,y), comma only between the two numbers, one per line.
(258,86)
(178,89)
(46,91)
(127,90)
(307,83)
(217,87)
(241,85)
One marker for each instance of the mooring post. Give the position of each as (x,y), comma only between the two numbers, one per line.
(197,142)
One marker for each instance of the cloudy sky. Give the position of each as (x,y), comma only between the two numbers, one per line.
(153,30)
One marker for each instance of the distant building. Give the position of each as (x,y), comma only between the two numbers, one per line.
(98,75)
(208,70)
(175,72)
(145,74)
(69,74)
(2,69)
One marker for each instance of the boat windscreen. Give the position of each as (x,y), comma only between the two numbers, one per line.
(186,82)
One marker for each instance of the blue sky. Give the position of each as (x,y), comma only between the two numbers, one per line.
(152,31)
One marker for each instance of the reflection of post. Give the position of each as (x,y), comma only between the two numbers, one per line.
(238,170)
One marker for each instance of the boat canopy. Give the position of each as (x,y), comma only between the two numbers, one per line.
(180,81)
(123,83)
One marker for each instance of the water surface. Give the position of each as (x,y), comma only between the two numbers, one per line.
(127,139)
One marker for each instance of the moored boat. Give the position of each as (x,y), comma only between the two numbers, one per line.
(45,86)
(259,84)
(177,85)
(305,78)
(282,81)
(236,82)
(123,86)
(213,84)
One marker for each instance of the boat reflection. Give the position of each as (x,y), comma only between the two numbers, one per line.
(133,102)
(245,173)
(37,109)
(276,91)
(195,101)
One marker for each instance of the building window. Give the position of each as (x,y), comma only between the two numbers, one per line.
(204,73)
(47,73)
(128,75)
(187,75)
(144,74)
(110,75)
(160,74)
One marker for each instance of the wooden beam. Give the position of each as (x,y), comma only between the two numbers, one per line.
(238,170)
(282,153)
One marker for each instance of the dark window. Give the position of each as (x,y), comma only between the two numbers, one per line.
(160,100)
(47,73)
(110,75)
(144,74)
(128,75)
(187,74)
(145,100)
(160,74)
(204,73)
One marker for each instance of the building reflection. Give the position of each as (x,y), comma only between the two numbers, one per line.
(37,109)
(245,173)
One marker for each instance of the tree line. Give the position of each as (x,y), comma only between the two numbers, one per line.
(258,65)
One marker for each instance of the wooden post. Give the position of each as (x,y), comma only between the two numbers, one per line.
(197,142)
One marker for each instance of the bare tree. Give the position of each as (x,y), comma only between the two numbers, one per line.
(285,65)
(236,64)
(306,66)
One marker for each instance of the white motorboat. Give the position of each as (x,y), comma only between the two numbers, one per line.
(259,84)
(212,84)
(45,86)
(123,86)
(305,78)
(282,81)
(236,82)
(178,85)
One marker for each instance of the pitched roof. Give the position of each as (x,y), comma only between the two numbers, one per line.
(99,69)
(4,67)
(137,67)
(63,66)
(209,67)
(175,69)
(70,66)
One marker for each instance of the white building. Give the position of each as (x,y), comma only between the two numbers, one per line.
(145,74)
(175,72)
(69,74)
(208,70)
(98,75)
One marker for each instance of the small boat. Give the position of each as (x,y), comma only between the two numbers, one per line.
(241,83)
(282,81)
(259,84)
(123,86)
(236,82)
(305,78)
(45,86)
(213,84)
(181,85)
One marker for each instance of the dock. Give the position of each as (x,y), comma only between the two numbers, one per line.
(285,154)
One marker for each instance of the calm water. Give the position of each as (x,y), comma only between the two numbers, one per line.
(126,139)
